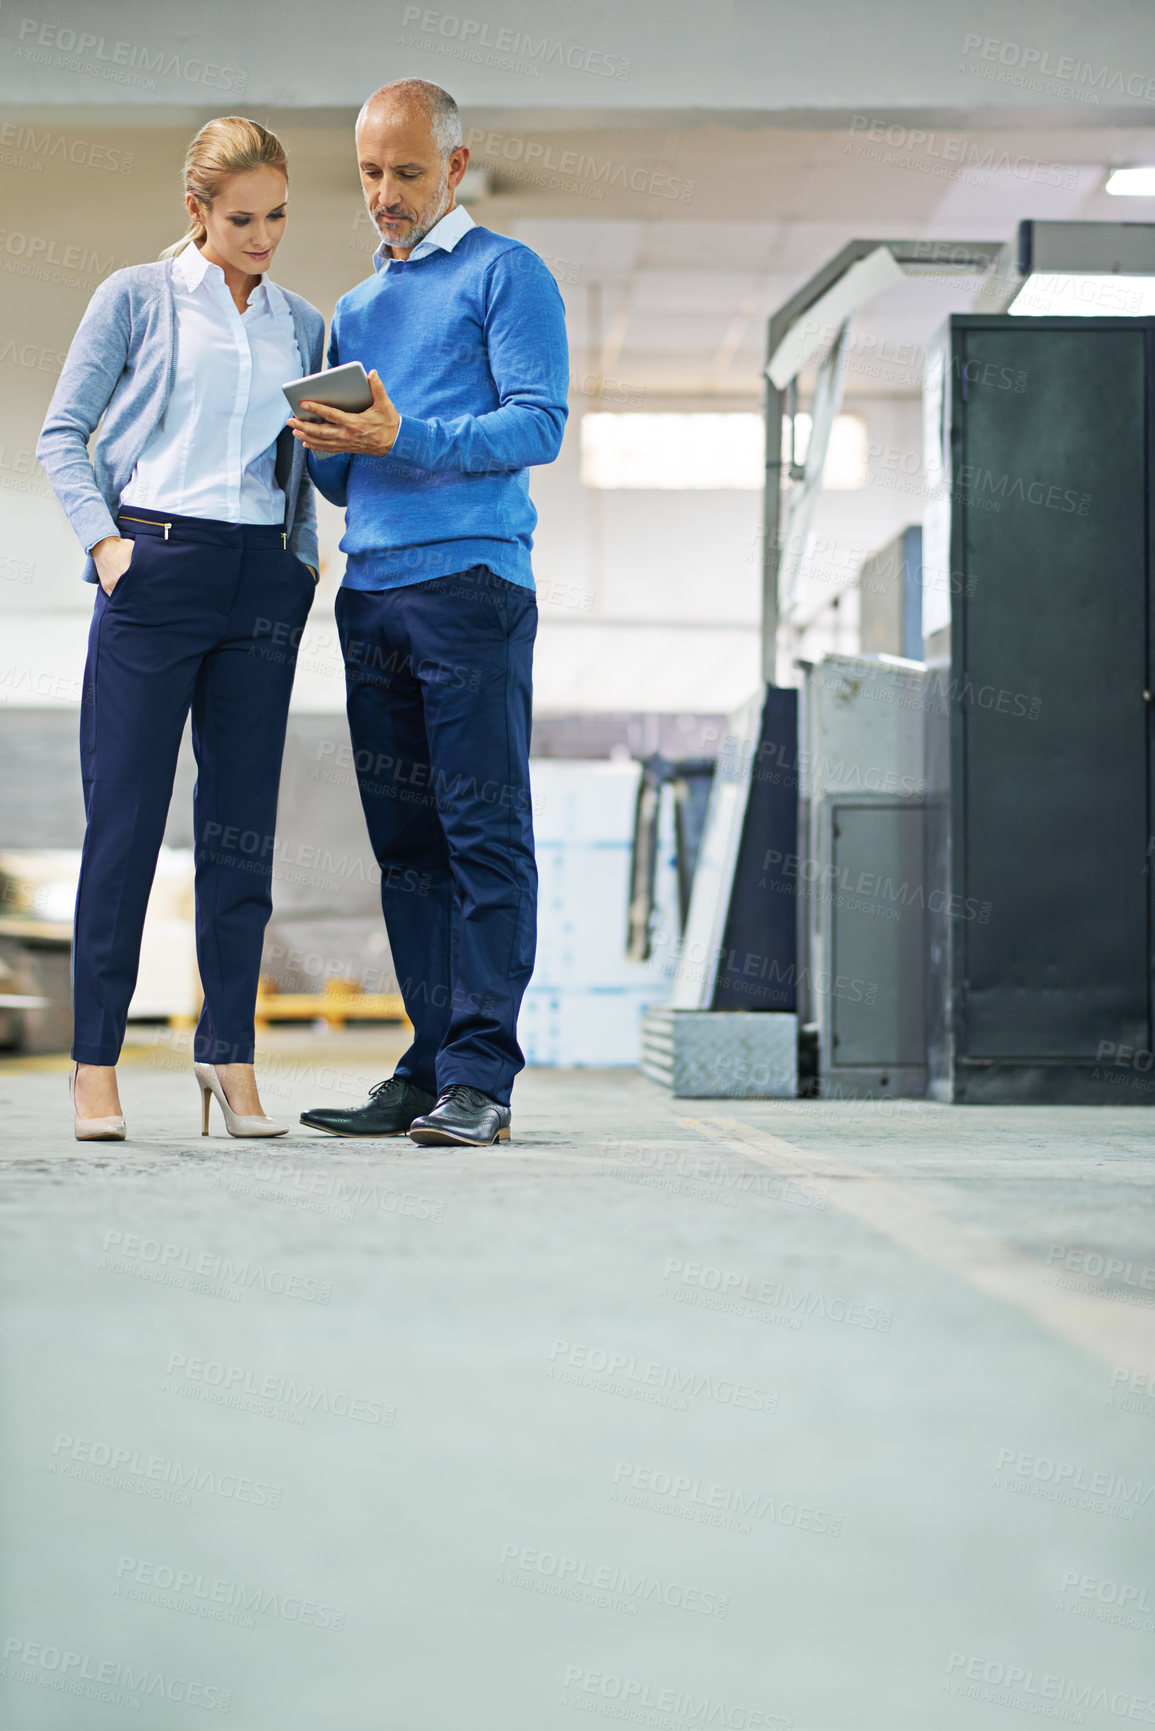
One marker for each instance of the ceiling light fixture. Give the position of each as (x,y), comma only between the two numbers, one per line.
(1092,297)
(1131,182)
(1088,269)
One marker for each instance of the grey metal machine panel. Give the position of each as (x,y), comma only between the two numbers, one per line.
(1044,956)
(861,877)
(878,936)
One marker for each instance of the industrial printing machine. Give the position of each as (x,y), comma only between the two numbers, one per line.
(925,871)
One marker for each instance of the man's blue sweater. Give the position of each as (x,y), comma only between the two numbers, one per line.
(471,347)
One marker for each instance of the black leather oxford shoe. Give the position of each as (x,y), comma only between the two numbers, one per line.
(389,1111)
(462,1116)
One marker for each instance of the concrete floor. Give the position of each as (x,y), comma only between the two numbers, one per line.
(683,1414)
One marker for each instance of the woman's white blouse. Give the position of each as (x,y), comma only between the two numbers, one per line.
(213,452)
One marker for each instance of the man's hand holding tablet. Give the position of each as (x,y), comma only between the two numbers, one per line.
(336,427)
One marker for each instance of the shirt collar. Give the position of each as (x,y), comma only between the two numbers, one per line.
(191,268)
(444,234)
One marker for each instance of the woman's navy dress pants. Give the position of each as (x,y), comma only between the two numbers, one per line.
(207,618)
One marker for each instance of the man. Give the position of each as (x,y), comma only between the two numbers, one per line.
(462,332)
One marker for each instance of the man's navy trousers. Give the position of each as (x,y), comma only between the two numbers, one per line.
(439,686)
(207,618)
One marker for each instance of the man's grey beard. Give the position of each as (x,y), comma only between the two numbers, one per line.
(431,218)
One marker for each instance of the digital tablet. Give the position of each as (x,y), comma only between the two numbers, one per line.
(344,388)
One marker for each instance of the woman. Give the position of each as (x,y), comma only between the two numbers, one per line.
(197,516)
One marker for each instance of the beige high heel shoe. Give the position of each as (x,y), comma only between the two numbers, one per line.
(94,1129)
(236,1123)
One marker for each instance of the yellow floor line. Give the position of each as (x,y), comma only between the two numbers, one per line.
(1120,1334)
(45,1064)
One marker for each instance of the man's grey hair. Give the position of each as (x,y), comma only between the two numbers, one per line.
(435,104)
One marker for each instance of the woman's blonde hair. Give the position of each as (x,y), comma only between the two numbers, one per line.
(230,145)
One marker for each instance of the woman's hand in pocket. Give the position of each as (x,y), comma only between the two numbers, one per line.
(112,557)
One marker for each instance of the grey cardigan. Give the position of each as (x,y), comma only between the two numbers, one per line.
(119,374)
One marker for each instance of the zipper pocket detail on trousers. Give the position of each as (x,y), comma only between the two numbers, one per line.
(154,525)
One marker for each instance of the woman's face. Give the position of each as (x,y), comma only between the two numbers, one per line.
(245,221)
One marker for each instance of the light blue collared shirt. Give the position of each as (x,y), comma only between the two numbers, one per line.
(444,234)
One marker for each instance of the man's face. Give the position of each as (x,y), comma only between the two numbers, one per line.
(407,187)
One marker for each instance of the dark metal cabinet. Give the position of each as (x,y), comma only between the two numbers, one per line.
(1038,748)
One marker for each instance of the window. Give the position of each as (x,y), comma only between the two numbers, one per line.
(847,456)
(705,451)
(673,451)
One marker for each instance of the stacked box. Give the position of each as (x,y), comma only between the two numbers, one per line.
(585,1001)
